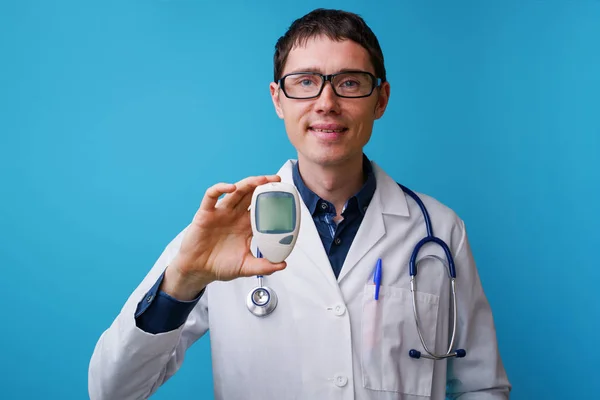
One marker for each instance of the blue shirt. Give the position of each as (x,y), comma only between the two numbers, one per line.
(338,238)
(158,312)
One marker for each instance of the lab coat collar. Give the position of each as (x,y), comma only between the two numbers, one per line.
(390,196)
(388,199)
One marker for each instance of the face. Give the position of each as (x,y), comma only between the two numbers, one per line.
(329,130)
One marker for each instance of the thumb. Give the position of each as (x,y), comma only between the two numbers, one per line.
(260,266)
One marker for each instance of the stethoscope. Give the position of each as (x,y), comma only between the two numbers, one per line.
(262,300)
(449,264)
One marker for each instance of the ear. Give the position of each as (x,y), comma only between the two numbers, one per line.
(274,88)
(382,99)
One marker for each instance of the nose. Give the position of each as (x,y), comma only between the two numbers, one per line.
(328,101)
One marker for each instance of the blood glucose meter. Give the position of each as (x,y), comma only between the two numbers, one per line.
(275,219)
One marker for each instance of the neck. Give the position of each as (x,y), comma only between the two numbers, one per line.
(334,183)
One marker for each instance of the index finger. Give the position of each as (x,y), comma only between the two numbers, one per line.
(213,193)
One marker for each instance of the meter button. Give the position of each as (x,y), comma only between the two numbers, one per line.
(287,239)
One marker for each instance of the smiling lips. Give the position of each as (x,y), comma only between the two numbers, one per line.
(327,132)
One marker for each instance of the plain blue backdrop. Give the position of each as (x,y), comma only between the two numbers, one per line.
(115,116)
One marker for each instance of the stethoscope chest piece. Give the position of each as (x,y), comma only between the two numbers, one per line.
(261,301)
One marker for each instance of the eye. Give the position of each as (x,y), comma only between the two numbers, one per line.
(303,81)
(348,83)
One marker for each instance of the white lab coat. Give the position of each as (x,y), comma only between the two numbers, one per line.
(327,338)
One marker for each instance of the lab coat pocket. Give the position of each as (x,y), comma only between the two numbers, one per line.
(389,332)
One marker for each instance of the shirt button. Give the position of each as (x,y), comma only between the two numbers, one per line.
(339,310)
(324,206)
(337,241)
(340,380)
(149,298)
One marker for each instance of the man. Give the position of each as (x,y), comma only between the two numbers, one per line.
(328,338)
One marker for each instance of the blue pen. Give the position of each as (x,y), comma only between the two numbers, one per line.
(377,278)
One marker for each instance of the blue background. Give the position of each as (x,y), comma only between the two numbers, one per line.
(115,116)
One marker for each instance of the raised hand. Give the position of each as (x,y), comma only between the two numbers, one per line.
(216,245)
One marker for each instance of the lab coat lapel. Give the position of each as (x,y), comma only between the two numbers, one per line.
(387,199)
(309,242)
(371,230)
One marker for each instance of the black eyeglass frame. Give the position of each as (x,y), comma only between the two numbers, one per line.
(375,82)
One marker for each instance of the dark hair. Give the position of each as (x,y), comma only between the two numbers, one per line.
(335,24)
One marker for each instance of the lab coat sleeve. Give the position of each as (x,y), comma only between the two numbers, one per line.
(129,363)
(480,375)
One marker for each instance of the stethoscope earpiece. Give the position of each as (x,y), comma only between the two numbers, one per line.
(459,353)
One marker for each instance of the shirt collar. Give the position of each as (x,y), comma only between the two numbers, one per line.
(363,197)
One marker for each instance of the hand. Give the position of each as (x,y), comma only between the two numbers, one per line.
(216,245)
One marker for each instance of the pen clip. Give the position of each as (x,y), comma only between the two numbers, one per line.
(377,278)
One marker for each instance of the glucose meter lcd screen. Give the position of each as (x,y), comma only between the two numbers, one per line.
(275,213)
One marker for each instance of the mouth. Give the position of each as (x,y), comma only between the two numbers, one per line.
(327,131)
(342,130)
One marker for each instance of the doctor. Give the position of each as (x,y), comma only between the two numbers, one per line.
(328,338)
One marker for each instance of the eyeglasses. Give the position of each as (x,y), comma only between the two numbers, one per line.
(349,84)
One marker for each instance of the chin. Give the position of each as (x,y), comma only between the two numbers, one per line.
(326,158)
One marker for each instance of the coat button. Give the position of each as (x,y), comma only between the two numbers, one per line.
(337,241)
(339,310)
(340,380)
